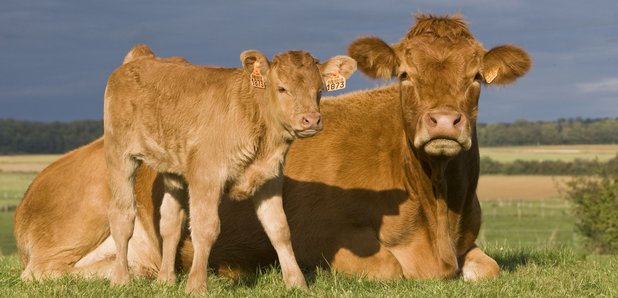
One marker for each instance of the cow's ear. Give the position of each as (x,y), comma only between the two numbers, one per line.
(342,65)
(375,58)
(253,60)
(504,64)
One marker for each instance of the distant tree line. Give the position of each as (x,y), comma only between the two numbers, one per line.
(18,137)
(560,132)
(22,137)
(577,167)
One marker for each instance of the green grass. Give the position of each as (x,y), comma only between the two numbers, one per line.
(525,273)
(555,152)
(13,185)
(528,224)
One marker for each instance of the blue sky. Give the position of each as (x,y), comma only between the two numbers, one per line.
(55,56)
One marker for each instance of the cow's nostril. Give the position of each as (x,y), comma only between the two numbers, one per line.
(457,119)
(433,119)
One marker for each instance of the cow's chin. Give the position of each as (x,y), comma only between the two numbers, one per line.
(301,134)
(445,147)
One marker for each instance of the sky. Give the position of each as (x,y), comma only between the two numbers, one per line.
(56,55)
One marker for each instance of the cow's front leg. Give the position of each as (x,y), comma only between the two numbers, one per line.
(478,266)
(260,171)
(269,208)
(204,197)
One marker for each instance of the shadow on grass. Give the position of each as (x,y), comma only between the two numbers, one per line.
(512,259)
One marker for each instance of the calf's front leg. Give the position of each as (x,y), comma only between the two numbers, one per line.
(269,208)
(204,197)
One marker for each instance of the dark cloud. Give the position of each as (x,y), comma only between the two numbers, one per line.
(56,55)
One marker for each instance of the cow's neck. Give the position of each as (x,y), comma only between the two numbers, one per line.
(256,107)
(432,190)
(269,134)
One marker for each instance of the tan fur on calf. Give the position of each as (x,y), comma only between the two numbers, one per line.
(217,128)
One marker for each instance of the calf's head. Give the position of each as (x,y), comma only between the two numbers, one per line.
(293,84)
(440,67)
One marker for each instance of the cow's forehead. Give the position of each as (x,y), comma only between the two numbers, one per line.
(430,54)
(296,67)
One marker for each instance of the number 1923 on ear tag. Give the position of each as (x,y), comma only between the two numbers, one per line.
(335,82)
(257,80)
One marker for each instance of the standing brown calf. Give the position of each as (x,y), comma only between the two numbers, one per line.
(213,130)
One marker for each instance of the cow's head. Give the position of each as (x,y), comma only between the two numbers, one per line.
(293,81)
(440,67)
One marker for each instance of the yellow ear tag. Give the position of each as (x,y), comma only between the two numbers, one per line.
(257,80)
(334,82)
(490,74)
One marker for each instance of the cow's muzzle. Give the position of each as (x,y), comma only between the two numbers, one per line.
(443,133)
(310,124)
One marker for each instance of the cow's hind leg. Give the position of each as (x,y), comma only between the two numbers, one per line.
(269,209)
(121,171)
(478,266)
(360,253)
(172,219)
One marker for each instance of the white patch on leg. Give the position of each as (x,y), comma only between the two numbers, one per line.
(143,255)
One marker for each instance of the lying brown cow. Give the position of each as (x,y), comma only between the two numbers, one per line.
(391,194)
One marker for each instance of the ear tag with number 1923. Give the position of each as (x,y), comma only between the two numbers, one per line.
(257,80)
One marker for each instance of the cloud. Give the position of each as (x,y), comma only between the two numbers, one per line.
(605,85)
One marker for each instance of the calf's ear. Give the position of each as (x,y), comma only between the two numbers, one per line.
(375,58)
(342,65)
(254,59)
(504,64)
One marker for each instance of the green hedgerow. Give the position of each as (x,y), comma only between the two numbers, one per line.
(595,206)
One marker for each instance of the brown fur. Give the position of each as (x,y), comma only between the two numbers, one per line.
(370,202)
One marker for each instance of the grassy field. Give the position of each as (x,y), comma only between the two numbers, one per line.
(26,163)
(525,273)
(555,152)
(527,228)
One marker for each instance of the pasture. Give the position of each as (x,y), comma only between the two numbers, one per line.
(551,152)
(527,228)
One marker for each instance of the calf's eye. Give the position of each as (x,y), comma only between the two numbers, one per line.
(281,90)
(403,76)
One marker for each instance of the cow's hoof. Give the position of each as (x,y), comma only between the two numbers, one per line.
(196,286)
(166,277)
(296,281)
(120,278)
(480,269)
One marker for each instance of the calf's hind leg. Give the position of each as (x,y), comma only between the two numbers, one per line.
(269,208)
(121,171)
(170,227)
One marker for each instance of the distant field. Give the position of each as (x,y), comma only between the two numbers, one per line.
(508,188)
(26,163)
(557,152)
(12,187)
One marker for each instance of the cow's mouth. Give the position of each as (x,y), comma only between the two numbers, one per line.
(306,133)
(443,147)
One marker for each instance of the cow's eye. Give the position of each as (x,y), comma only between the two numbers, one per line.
(478,77)
(403,76)
(281,90)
